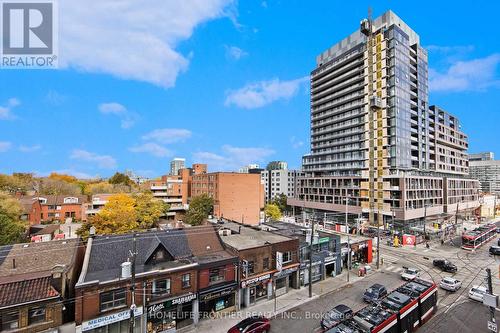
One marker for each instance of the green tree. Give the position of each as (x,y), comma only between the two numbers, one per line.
(149,210)
(12,230)
(199,208)
(120,178)
(272,211)
(280,201)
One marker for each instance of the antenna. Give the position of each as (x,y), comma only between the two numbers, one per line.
(369,13)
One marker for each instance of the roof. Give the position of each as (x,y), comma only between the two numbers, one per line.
(36,257)
(26,291)
(107,253)
(206,245)
(48,230)
(247,237)
(59,199)
(27,204)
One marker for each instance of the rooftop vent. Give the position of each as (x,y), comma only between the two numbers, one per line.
(126,270)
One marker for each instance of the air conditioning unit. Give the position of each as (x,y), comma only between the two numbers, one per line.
(376,102)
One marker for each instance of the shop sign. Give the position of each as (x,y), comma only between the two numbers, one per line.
(279,261)
(217,294)
(330,259)
(321,240)
(153,309)
(255,280)
(110,319)
(285,272)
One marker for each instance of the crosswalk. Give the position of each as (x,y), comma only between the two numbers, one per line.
(394,269)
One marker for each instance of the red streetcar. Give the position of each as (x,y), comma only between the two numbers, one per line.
(475,238)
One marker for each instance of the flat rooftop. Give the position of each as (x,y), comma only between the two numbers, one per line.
(245,237)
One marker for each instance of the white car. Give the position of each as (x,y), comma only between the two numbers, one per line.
(450,284)
(477,293)
(410,274)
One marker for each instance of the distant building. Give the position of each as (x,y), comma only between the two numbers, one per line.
(96,203)
(177,164)
(248,168)
(37,285)
(279,181)
(61,208)
(237,196)
(32,210)
(277,165)
(488,174)
(486,156)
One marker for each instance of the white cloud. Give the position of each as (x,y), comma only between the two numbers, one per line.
(127,118)
(476,74)
(256,95)
(77,174)
(55,98)
(134,40)
(29,149)
(151,148)
(6,110)
(5,146)
(102,161)
(232,158)
(235,53)
(168,135)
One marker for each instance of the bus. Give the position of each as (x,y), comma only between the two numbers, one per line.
(473,239)
(403,310)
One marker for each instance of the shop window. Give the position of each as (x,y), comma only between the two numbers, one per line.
(9,321)
(36,315)
(216,275)
(186,280)
(161,287)
(287,256)
(113,299)
(251,267)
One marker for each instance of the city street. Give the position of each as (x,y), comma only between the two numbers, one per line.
(455,308)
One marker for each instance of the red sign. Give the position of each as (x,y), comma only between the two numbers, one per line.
(409,239)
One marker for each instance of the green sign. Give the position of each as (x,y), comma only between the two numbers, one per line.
(322,240)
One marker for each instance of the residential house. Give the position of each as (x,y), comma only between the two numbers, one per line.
(60,208)
(32,210)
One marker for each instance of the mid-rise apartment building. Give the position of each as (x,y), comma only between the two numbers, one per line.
(377,146)
(176,165)
(237,196)
(279,181)
(484,168)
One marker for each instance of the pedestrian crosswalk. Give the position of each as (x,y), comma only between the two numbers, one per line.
(394,269)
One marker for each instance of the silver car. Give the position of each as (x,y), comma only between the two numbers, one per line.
(450,284)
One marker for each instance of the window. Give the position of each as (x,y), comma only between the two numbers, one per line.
(216,275)
(9,321)
(36,315)
(113,299)
(161,287)
(287,257)
(265,263)
(69,214)
(186,280)
(251,267)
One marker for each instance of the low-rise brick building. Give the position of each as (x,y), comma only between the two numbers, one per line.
(37,285)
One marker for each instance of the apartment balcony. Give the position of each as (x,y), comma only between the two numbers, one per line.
(159,188)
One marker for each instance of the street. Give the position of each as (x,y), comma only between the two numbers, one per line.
(455,310)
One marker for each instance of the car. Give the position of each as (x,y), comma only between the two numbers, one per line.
(498,242)
(477,293)
(336,315)
(375,293)
(410,274)
(450,284)
(445,265)
(254,324)
(495,250)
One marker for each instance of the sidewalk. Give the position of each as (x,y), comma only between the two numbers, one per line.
(286,302)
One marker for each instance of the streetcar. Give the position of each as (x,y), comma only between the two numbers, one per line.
(403,310)
(473,239)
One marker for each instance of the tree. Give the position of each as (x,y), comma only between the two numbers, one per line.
(149,210)
(12,230)
(280,201)
(63,177)
(120,178)
(272,211)
(199,209)
(57,187)
(18,182)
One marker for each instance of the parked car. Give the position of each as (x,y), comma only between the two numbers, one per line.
(336,315)
(254,324)
(445,265)
(450,284)
(495,250)
(498,242)
(477,293)
(375,293)
(410,274)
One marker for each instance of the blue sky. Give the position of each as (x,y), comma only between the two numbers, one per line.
(219,82)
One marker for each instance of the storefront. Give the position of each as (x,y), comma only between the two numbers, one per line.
(331,266)
(219,298)
(285,279)
(113,323)
(317,271)
(256,289)
(172,314)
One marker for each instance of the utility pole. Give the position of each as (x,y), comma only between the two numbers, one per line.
(425,221)
(490,291)
(311,259)
(132,288)
(348,237)
(378,245)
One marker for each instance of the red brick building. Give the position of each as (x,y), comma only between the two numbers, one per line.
(32,210)
(61,207)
